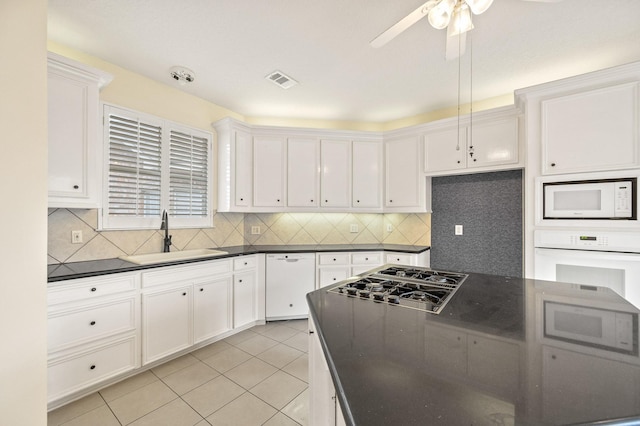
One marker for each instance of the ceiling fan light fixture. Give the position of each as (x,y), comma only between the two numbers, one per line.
(478,6)
(440,15)
(460,21)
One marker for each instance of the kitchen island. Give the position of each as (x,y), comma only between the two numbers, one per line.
(489,357)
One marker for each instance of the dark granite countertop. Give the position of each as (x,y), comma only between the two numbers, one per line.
(484,360)
(67,271)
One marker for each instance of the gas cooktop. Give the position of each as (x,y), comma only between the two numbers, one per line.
(406,286)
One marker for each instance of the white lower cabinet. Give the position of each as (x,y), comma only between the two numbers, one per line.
(324,408)
(93,332)
(211,314)
(183,306)
(166,321)
(244,299)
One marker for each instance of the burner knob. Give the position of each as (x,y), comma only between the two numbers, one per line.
(364,293)
(378,296)
(393,299)
(352,291)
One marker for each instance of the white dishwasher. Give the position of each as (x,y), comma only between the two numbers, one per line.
(289,277)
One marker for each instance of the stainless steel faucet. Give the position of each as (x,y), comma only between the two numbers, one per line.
(165,226)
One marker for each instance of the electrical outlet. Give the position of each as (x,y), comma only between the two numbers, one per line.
(389,228)
(353,228)
(255,230)
(76,237)
(458,229)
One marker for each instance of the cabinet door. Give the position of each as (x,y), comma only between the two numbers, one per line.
(243,169)
(73,155)
(328,276)
(335,184)
(303,172)
(268,171)
(211,308)
(493,143)
(322,394)
(366,174)
(445,150)
(166,322)
(405,183)
(244,298)
(589,131)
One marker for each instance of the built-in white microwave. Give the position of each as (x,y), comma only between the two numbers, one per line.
(591,199)
(600,328)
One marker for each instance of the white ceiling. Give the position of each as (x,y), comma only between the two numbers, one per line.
(324,44)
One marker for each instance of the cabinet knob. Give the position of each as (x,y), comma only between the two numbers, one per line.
(366,258)
(334,279)
(241,199)
(246,263)
(75,187)
(553,164)
(202,289)
(326,201)
(334,259)
(475,159)
(93,367)
(312,201)
(357,201)
(278,200)
(553,357)
(239,281)
(391,201)
(93,289)
(184,294)
(291,305)
(92,323)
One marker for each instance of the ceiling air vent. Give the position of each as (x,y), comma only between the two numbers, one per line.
(281,79)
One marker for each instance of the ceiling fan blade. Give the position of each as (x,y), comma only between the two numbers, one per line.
(456,45)
(403,24)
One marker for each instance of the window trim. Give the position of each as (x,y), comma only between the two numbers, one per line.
(111,222)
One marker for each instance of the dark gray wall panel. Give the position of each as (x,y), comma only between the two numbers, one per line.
(489,206)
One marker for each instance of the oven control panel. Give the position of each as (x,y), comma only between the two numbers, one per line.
(621,241)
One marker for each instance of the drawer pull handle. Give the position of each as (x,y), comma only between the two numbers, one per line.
(93,367)
(75,187)
(366,258)
(291,305)
(334,279)
(202,289)
(246,263)
(93,289)
(184,294)
(92,323)
(239,281)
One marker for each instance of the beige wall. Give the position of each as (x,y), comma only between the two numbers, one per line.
(23,190)
(232,229)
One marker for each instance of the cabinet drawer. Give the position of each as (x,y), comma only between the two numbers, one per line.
(89,288)
(329,276)
(72,326)
(244,262)
(174,274)
(398,258)
(334,259)
(74,373)
(366,258)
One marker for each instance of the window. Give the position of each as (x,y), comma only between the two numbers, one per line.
(154,165)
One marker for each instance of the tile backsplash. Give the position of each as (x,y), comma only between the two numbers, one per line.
(232,229)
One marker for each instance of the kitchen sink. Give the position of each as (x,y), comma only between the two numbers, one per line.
(150,258)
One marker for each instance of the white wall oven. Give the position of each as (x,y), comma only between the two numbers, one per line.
(603,199)
(607,259)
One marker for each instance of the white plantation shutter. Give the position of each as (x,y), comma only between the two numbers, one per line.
(188,175)
(154,165)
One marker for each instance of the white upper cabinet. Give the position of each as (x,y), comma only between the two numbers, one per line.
(405,183)
(487,140)
(335,173)
(303,172)
(591,130)
(269,171)
(366,174)
(75,157)
(445,150)
(235,166)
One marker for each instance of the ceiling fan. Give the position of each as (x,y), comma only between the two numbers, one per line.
(455,15)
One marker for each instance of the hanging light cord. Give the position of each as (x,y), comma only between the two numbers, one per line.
(459,77)
(471,93)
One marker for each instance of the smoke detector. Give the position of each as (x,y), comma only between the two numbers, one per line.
(281,79)
(182,75)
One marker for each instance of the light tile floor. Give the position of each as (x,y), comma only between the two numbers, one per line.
(256,377)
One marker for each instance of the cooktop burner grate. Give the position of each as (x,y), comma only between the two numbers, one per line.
(407,286)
